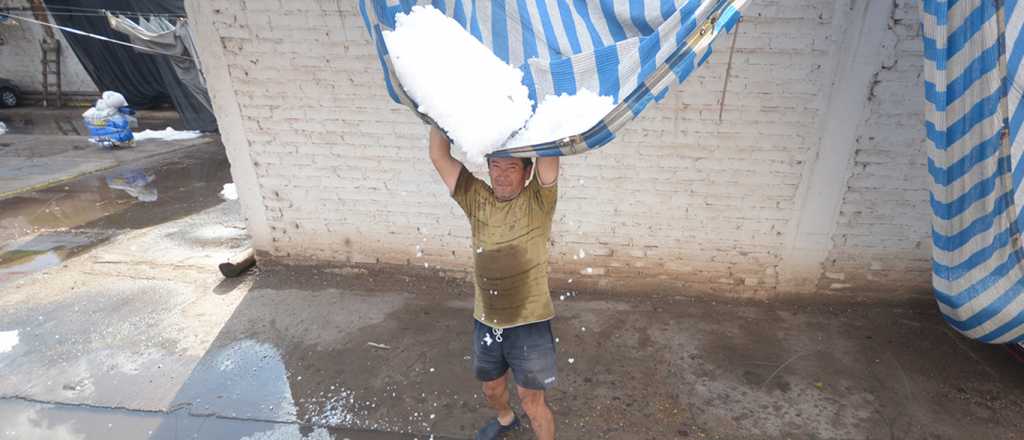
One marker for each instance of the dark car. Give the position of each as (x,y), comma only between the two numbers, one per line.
(8,93)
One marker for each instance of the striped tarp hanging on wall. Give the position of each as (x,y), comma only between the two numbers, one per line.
(631,50)
(973,51)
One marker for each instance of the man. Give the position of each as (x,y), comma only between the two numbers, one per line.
(511,224)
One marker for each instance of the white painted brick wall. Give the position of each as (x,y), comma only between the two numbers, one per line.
(21,56)
(680,199)
(882,238)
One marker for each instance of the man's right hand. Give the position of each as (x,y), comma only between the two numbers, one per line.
(441,155)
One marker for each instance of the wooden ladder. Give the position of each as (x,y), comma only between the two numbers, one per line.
(51,72)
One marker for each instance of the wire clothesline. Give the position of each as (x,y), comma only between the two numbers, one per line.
(83,33)
(75,10)
(113,11)
(103,14)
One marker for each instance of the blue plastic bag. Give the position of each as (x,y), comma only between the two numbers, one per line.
(110,131)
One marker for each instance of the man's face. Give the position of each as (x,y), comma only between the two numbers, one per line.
(508,176)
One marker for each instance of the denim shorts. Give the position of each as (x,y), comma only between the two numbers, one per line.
(529,350)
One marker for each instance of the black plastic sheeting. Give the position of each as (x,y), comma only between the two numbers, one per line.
(145,80)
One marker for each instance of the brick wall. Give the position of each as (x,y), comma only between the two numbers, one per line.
(693,194)
(22,56)
(882,239)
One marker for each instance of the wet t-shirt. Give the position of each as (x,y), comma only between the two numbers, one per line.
(510,248)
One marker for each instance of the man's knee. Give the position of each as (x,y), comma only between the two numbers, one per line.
(533,400)
(495,387)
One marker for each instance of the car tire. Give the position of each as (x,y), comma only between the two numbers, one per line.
(8,97)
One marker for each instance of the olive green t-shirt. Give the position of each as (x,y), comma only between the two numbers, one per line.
(510,249)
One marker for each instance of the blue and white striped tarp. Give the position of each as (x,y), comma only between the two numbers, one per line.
(631,50)
(973,51)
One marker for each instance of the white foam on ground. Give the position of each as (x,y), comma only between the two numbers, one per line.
(168,134)
(8,340)
(563,115)
(289,432)
(229,192)
(478,99)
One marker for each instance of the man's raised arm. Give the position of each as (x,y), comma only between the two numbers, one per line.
(441,155)
(547,170)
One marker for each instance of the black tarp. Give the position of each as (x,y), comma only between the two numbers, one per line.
(144,79)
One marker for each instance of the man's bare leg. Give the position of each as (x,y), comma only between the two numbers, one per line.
(541,419)
(496,392)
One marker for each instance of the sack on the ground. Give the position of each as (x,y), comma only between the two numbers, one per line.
(110,121)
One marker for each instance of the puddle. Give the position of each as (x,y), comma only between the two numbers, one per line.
(29,420)
(240,391)
(250,379)
(212,236)
(245,379)
(22,257)
(135,182)
(187,183)
(24,264)
(41,229)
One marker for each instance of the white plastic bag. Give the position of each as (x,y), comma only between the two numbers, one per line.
(114,100)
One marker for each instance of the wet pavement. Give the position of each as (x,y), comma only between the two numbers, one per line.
(36,153)
(115,324)
(287,350)
(36,420)
(40,229)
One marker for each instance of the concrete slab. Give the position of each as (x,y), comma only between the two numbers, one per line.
(24,174)
(42,146)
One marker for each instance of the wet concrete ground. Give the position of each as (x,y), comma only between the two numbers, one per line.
(35,420)
(40,229)
(132,333)
(44,147)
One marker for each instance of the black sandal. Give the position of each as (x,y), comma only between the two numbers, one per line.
(493,430)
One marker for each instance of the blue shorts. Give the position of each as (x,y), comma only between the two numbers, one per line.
(529,350)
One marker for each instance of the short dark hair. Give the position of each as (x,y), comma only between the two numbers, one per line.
(527,162)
